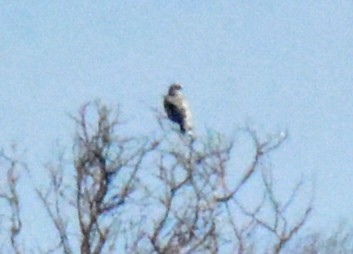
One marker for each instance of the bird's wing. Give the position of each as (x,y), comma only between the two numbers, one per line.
(175,109)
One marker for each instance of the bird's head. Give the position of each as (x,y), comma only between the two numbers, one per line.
(174,89)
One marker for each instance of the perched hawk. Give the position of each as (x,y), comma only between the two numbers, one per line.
(177,109)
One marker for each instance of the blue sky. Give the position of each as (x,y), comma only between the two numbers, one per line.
(276,64)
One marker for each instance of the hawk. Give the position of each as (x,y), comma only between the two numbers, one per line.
(177,108)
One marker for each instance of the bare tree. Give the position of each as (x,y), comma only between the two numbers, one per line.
(10,201)
(105,177)
(165,193)
(340,240)
(202,213)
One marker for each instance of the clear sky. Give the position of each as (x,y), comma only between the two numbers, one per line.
(278,64)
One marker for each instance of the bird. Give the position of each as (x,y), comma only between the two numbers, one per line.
(177,108)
